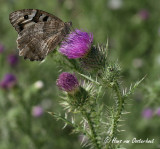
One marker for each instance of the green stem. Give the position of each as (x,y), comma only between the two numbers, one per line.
(120,102)
(92,129)
(27,130)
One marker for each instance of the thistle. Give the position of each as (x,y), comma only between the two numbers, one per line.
(83,99)
(12,59)
(67,82)
(147,113)
(77,96)
(37,111)
(78,45)
(8,81)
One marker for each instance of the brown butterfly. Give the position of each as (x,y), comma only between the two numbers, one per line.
(38,32)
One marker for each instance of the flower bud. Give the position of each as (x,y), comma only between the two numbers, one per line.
(67,82)
(76,94)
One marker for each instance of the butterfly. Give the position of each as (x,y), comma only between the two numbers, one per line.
(38,32)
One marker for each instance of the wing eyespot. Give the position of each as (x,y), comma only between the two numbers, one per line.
(21,27)
(26,17)
(45,18)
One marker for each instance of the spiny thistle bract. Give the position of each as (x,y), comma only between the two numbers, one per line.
(95,59)
(81,98)
(76,94)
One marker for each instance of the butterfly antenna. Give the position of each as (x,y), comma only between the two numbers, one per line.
(73,28)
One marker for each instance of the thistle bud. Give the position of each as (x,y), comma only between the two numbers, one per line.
(76,94)
(67,82)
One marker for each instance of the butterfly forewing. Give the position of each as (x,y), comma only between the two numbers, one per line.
(21,18)
(38,32)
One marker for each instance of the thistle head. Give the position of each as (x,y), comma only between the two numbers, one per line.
(67,82)
(147,113)
(8,81)
(77,95)
(143,14)
(12,59)
(37,111)
(77,44)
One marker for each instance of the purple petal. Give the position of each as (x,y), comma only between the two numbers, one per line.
(77,44)
(144,14)
(12,59)
(147,113)
(37,111)
(8,81)
(67,82)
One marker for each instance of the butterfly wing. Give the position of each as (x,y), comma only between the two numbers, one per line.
(37,40)
(39,32)
(22,19)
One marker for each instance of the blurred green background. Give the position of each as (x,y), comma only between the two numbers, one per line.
(132,28)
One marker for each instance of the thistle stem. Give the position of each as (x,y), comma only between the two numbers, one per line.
(120,101)
(119,108)
(92,129)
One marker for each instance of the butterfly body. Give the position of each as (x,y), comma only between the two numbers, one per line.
(38,32)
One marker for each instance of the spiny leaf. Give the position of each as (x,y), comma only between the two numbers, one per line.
(89,78)
(133,87)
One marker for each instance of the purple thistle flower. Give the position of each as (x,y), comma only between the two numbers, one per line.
(158,111)
(147,113)
(67,82)
(77,44)
(12,59)
(37,111)
(143,14)
(8,81)
(1,48)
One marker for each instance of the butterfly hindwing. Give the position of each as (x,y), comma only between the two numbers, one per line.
(38,32)
(36,41)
